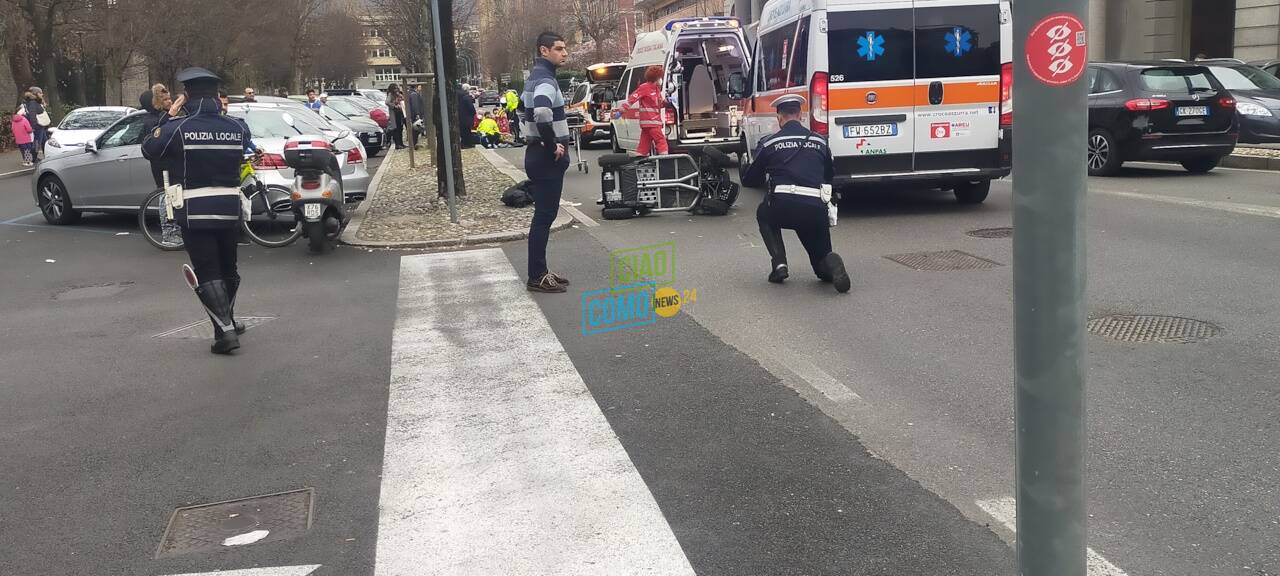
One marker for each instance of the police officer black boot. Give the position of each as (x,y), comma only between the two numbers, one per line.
(233,286)
(777,250)
(216,301)
(832,270)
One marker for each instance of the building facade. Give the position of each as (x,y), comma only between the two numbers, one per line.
(1154,29)
(658,12)
(382,68)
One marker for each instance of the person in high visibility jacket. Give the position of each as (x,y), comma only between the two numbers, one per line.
(511,101)
(488,130)
(647,99)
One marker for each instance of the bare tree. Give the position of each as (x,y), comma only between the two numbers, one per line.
(338,32)
(599,20)
(43,18)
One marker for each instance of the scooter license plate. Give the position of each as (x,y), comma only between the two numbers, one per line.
(311,211)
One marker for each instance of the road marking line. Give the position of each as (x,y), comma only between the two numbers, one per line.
(17,172)
(498,459)
(1249,209)
(23,217)
(274,571)
(1005,510)
(818,378)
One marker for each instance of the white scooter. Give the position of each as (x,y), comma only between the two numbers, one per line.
(317,195)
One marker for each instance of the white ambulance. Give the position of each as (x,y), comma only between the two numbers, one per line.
(698,56)
(907,91)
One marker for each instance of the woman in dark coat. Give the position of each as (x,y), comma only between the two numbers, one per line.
(395,101)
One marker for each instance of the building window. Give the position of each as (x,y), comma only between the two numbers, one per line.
(380,53)
(386,74)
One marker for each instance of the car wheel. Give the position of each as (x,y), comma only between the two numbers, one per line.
(1104,155)
(55,203)
(973,192)
(1201,165)
(614,141)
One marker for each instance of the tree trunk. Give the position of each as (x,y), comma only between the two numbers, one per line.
(448,76)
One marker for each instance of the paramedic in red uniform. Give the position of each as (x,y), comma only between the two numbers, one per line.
(648,100)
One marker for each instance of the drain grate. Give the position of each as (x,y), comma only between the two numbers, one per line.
(944,261)
(1006,232)
(209,526)
(1157,329)
(203,329)
(92,291)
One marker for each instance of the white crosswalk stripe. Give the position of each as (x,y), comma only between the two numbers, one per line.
(274,571)
(498,460)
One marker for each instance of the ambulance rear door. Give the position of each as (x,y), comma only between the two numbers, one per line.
(871,101)
(957,99)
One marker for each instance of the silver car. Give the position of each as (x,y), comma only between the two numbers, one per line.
(270,129)
(109,174)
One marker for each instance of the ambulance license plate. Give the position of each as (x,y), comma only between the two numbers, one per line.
(311,211)
(1193,111)
(870,130)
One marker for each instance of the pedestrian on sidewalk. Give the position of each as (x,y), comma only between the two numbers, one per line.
(24,136)
(546,158)
(156,103)
(647,99)
(313,102)
(202,150)
(795,164)
(467,120)
(512,102)
(395,103)
(250,95)
(38,117)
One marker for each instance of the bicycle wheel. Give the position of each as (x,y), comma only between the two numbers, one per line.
(157,228)
(273,223)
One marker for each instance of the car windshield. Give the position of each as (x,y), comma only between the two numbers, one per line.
(89,120)
(1176,80)
(271,124)
(345,108)
(360,102)
(1245,78)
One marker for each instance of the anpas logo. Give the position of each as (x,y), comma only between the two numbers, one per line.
(609,309)
(656,263)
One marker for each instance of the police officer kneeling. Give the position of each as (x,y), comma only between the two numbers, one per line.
(797,162)
(202,150)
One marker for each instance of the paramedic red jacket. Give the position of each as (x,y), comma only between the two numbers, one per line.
(648,100)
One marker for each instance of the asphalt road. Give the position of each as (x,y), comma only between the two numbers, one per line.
(780,429)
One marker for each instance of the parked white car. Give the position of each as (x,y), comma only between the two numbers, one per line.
(270,129)
(82,125)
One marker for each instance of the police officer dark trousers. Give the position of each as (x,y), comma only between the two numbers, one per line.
(547,157)
(202,149)
(795,163)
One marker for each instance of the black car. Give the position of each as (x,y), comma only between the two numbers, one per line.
(1257,95)
(1163,111)
(1271,67)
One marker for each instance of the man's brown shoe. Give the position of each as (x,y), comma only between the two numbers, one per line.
(559,279)
(547,284)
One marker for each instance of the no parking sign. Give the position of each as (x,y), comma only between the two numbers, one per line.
(1057,49)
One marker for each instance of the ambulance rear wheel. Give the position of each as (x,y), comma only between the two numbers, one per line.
(744,161)
(973,192)
(613,140)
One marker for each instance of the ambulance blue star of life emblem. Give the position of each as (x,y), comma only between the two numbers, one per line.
(871,46)
(959,42)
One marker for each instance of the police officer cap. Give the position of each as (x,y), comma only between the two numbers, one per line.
(789,104)
(198,76)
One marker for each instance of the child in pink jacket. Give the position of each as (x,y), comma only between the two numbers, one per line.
(23,135)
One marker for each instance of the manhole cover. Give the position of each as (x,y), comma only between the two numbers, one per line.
(92,291)
(1006,232)
(203,329)
(1159,329)
(237,522)
(942,261)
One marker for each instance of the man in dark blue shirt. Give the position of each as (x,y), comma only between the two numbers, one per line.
(795,163)
(201,148)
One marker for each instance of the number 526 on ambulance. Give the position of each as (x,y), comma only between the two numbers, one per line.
(912,92)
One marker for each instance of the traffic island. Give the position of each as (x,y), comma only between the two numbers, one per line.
(1255,157)
(404,209)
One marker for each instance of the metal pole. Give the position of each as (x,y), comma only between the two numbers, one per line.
(442,85)
(1049,183)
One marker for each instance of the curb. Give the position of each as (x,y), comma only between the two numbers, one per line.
(1251,162)
(563,220)
(349,233)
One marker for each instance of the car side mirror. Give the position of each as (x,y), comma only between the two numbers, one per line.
(91,146)
(737,86)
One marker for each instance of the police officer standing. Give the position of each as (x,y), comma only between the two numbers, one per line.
(202,150)
(797,163)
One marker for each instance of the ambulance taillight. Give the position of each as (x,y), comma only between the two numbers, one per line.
(1006,95)
(818,103)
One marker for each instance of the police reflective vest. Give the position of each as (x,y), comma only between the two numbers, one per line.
(647,99)
(202,151)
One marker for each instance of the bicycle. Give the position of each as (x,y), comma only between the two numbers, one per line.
(271,221)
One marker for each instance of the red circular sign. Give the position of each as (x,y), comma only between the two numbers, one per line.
(1057,49)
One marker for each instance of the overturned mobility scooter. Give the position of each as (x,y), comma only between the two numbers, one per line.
(696,182)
